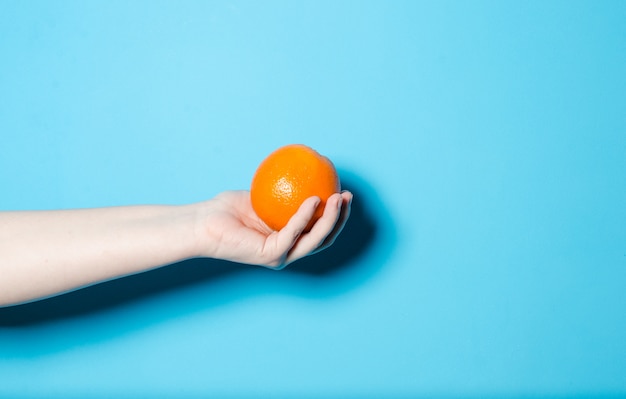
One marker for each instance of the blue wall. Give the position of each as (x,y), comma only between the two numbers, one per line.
(485,143)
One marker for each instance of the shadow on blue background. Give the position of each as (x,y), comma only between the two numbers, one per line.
(368,228)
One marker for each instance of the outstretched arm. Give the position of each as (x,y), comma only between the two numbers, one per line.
(43,253)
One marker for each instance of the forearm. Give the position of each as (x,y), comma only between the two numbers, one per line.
(46,252)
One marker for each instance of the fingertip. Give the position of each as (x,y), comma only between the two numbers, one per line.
(306,211)
(314,201)
(337,197)
(333,204)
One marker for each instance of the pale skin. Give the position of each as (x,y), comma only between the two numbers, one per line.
(45,253)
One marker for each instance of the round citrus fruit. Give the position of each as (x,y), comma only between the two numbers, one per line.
(286,178)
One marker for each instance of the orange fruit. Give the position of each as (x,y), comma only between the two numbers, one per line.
(287,177)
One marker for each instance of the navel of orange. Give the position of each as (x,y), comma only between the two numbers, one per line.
(287,177)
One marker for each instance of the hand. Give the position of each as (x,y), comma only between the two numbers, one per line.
(232,231)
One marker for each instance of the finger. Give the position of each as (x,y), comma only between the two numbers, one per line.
(320,230)
(288,235)
(343,218)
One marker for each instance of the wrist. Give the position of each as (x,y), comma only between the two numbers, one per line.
(201,244)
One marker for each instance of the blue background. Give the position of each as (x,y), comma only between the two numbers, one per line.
(485,143)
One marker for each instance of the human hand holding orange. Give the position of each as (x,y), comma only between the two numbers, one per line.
(294,209)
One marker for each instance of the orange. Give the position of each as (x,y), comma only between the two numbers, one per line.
(287,177)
